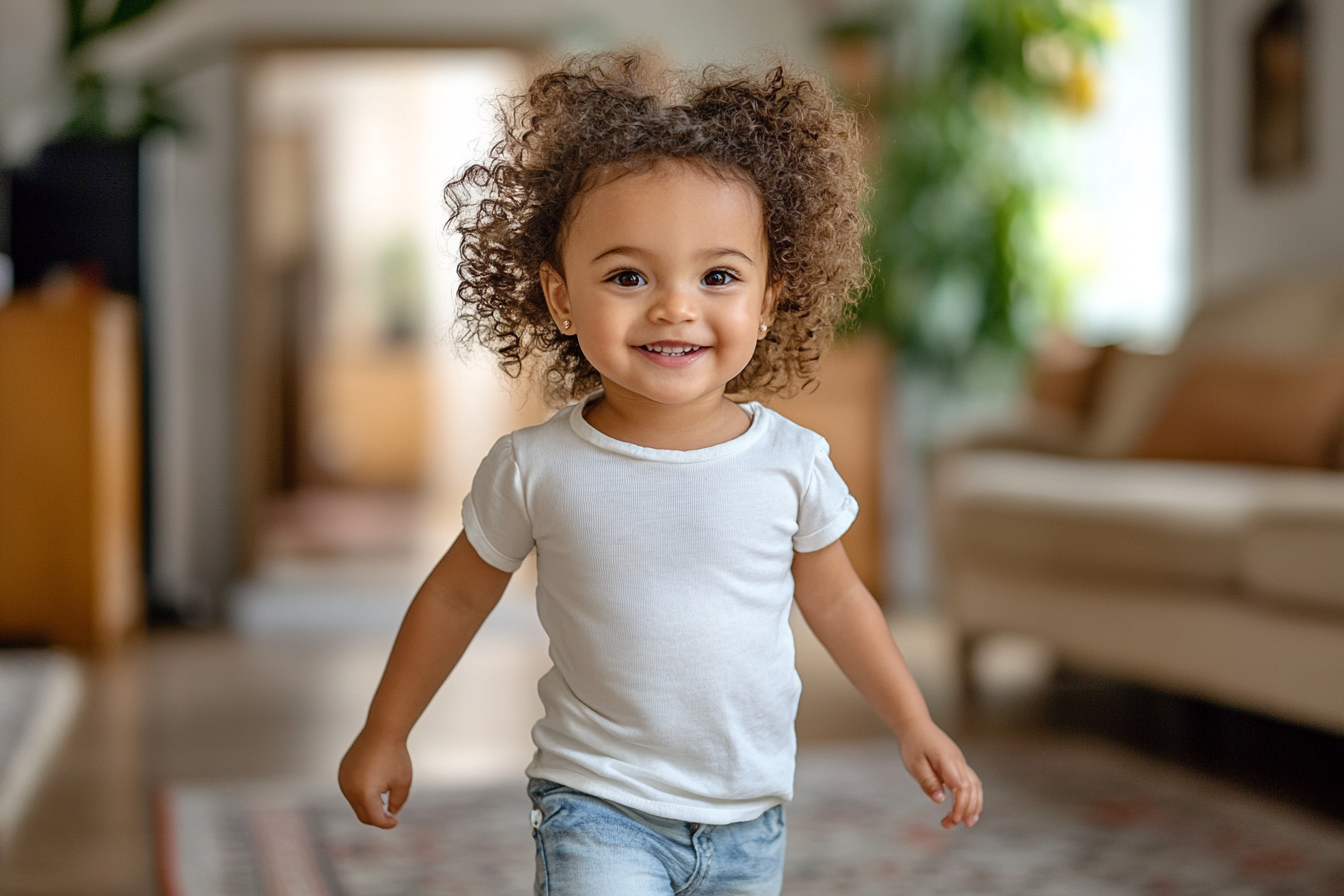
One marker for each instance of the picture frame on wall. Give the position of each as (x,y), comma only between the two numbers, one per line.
(1279,128)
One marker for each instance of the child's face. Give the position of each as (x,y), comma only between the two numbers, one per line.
(666,282)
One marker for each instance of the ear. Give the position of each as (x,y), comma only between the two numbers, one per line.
(557,295)
(768,304)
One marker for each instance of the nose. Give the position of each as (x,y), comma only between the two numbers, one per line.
(674,304)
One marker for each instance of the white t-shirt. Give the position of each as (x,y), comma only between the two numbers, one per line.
(664,583)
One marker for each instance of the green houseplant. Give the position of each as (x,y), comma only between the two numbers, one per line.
(76,204)
(956,97)
(963,275)
(92,116)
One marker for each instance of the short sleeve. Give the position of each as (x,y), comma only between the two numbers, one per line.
(494,514)
(827,509)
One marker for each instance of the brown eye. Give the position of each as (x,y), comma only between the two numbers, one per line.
(628,279)
(718,278)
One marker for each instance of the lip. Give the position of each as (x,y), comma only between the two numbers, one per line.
(669,360)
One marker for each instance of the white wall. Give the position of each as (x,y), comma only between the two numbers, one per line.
(190,290)
(1247,231)
(690,31)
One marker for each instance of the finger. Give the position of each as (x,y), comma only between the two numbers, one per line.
(397,795)
(354,797)
(979,803)
(955,776)
(962,797)
(952,771)
(968,803)
(370,811)
(928,780)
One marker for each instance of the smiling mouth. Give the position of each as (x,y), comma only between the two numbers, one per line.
(673,351)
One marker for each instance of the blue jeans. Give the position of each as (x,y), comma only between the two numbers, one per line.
(587,846)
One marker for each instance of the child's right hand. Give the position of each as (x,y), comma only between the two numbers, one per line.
(374,766)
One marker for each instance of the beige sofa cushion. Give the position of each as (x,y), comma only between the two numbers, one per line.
(1153,520)
(1295,542)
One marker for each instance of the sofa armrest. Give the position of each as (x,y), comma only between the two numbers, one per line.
(1293,545)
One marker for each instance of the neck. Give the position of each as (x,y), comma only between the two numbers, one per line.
(629,417)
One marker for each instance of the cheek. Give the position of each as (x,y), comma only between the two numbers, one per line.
(603,333)
(744,320)
(588,311)
(601,323)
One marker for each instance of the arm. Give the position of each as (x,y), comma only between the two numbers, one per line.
(851,627)
(447,611)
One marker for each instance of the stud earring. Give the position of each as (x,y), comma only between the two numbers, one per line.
(564,324)
(764,328)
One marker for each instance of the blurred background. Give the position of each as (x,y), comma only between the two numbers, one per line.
(1091,403)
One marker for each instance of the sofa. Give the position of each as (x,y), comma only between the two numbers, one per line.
(1181,523)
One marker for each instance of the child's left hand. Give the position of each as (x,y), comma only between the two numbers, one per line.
(850,624)
(935,762)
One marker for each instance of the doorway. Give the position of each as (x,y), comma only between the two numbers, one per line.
(363,421)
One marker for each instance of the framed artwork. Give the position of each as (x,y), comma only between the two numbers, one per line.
(1280,131)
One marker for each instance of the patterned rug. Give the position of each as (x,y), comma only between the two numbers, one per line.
(1062,818)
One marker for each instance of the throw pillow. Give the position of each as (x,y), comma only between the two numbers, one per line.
(1254,412)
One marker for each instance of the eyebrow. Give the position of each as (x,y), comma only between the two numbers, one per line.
(708,253)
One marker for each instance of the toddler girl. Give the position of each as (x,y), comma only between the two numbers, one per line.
(651,247)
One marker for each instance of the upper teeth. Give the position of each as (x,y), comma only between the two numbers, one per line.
(666,350)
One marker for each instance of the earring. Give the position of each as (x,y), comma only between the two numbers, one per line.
(764,328)
(564,324)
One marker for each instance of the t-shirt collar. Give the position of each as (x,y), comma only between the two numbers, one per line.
(586,431)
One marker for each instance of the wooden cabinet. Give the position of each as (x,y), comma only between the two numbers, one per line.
(69,472)
(849,409)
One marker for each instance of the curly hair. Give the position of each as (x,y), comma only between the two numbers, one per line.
(777,130)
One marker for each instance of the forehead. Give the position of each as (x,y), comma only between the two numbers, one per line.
(670,199)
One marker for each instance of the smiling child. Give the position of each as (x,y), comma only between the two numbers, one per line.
(659,250)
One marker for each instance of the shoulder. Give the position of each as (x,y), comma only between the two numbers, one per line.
(782,434)
(542,440)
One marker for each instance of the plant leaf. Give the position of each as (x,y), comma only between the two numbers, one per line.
(76,31)
(126,10)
